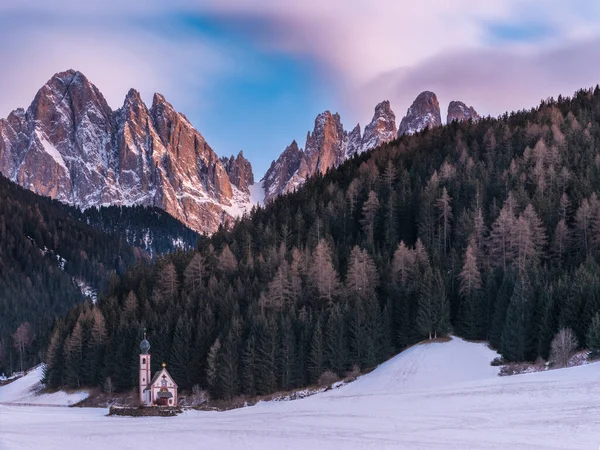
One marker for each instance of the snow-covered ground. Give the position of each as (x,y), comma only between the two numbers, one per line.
(26,390)
(433,396)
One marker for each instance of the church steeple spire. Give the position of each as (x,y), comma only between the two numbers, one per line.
(145,345)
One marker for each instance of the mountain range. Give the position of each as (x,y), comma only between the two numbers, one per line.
(71,146)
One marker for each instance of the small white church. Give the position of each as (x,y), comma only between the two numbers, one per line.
(161,390)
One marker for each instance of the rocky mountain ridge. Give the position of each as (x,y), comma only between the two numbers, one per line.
(329,144)
(69,145)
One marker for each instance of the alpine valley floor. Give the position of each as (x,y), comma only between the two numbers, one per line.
(432,396)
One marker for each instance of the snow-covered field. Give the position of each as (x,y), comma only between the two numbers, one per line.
(434,396)
(26,390)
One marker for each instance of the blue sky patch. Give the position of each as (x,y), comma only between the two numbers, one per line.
(529,32)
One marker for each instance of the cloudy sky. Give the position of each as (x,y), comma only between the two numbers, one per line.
(252,74)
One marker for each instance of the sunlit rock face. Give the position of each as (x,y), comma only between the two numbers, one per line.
(69,145)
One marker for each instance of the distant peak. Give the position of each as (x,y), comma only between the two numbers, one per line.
(384,106)
(66,73)
(293,146)
(459,112)
(133,97)
(161,107)
(381,129)
(423,113)
(133,93)
(426,95)
(158,99)
(67,76)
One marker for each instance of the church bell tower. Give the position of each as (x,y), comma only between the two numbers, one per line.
(144,370)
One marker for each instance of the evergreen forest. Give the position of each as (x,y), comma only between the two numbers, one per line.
(50,252)
(489,230)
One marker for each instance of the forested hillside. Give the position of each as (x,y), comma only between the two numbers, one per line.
(147,228)
(490,230)
(44,251)
(50,253)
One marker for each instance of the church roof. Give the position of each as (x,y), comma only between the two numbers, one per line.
(155,378)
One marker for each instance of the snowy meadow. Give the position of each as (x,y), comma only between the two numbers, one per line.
(433,396)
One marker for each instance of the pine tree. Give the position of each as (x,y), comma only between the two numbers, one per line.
(523,244)
(98,338)
(502,235)
(228,361)
(561,241)
(336,347)
(279,291)
(478,238)
(316,362)
(369,215)
(55,360)
(426,311)
(352,195)
(212,368)
(402,264)
(73,354)
(194,274)
(473,313)
(515,337)
(249,366)
(433,316)
(295,276)
(361,279)
(593,337)
(266,349)
(322,275)
(548,322)
(537,230)
(442,306)
(167,281)
(444,206)
(583,225)
(227,261)
(427,216)
(181,350)
(470,277)
(391,219)
(287,362)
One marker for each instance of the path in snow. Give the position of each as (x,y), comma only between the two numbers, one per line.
(433,396)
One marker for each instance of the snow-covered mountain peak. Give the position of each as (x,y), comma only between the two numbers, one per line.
(423,113)
(71,146)
(353,142)
(382,128)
